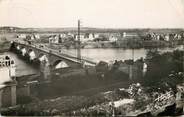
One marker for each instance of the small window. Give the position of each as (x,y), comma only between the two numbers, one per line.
(12,62)
(182,96)
(7,57)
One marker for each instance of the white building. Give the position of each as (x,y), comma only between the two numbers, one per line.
(70,34)
(63,35)
(82,38)
(124,34)
(179,36)
(37,36)
(91,36)
(96,35)
(54,39)
(113,38)
(166,38)
(22,36)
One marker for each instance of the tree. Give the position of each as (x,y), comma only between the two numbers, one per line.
(161,65)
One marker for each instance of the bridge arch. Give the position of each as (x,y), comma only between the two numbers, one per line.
(18,47)
(60,64)
(43,57)
(31,54)
(23,51)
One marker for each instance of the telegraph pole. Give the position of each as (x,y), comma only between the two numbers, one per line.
(131,75)
(78,43)
(133,50)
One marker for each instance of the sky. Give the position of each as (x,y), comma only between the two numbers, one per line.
(93,13)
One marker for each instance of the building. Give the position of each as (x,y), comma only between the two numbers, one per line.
(37,36)
(124,34)
(113,38)
(85,37)
(54,39)
(7,83)
(166,37)
(21,36)
(96,35)
(30,37)
(64,35)
(82,37)
(91,36)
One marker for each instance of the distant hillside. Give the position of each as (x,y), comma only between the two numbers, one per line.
(83,29)
(9,29)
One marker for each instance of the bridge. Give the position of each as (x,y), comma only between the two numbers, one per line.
(51,58)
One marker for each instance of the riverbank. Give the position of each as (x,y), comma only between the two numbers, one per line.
(137,44)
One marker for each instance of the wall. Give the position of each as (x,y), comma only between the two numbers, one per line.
(6,96)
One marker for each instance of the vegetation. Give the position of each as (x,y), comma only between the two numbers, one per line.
(166,68)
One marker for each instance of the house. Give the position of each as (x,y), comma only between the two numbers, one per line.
(96,35)
(179,37)
(22,36)
(36,36)
(30,37)
(88,37)
(85,37)
(113,38)
(166,37)
(54,39)
(158,37)
(91,36)
(124,34)
(63,35)
(82,37)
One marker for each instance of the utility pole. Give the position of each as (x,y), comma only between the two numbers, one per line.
(131,75)
(133,50)
(78,43)
(183,69)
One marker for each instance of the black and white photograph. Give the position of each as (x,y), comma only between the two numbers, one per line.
(110,58)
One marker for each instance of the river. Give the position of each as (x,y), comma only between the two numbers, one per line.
(110,54)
